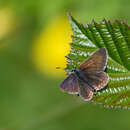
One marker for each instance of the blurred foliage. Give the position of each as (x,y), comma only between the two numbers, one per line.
(30,99)
(46,55)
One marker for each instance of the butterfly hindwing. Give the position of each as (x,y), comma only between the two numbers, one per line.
(70,84)
(96,62)
(85,91)
(98,80)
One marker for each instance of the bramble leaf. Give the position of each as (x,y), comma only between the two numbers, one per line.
(115,37)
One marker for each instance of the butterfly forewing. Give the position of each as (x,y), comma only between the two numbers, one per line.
(70,84)
(96,62)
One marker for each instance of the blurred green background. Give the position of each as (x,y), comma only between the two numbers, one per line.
(34,37)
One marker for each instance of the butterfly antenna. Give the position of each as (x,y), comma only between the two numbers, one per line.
(59,68)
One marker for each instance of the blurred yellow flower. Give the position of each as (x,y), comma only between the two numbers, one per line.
(6,21)
(52,46)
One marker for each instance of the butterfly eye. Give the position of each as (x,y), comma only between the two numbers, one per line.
(73,70)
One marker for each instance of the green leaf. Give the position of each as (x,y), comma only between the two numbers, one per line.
(115,37)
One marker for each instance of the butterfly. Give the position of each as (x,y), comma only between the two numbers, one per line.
(89,78)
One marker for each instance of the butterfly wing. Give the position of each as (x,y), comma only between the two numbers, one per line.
(96,62)
(70,84)
(98,80)
(85,91)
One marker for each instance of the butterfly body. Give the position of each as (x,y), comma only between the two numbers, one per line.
(89,77)
(82,77)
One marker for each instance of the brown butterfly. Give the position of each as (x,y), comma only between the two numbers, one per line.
(89,77)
